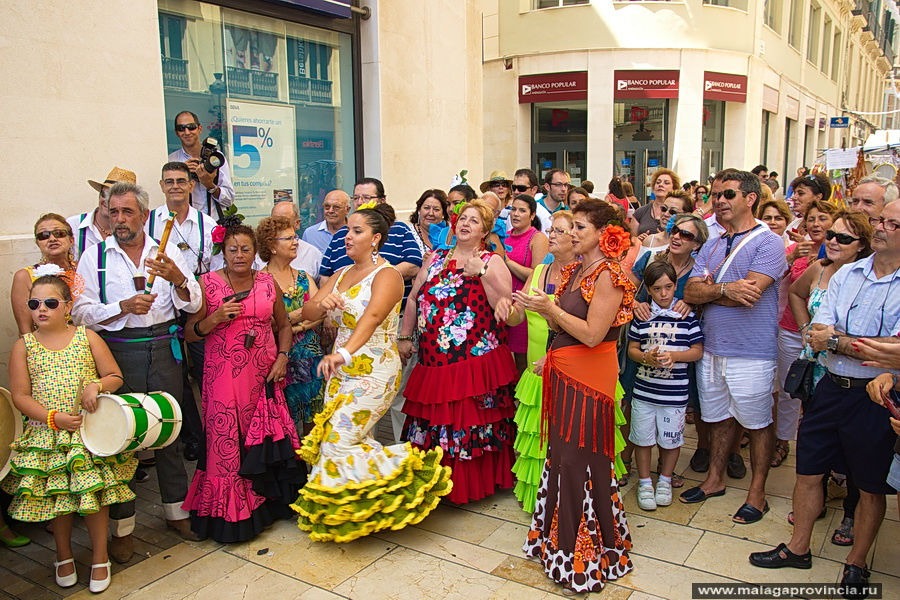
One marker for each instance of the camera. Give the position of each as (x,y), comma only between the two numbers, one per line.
(210,156)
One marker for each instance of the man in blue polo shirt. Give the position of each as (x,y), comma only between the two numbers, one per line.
(400,249)
(335,207)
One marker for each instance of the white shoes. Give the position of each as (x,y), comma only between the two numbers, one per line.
(98,585)
(663,493)
(646,497)
(65,581)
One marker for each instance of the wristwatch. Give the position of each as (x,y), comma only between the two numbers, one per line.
(832,344)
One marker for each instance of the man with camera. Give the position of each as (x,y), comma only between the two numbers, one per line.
(210,172)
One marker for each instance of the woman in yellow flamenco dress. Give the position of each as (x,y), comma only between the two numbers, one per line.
(357,486)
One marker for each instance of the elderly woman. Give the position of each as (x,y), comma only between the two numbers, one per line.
(303,387)
(432,208)
(248,473)
(53,237)
(578,531)
(817,221)
(460,396)
(848,240)
(649,216)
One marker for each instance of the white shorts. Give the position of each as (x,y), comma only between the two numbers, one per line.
(657,424)
(736,387)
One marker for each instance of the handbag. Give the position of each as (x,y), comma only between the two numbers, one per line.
(799,379)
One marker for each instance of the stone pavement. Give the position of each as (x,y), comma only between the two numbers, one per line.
(471,552)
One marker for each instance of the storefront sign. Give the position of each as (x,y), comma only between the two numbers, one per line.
(645,84)
(553,87)
(263,155)
(724,86)
(840,122)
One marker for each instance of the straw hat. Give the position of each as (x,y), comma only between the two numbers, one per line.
(115,176)
(495,177)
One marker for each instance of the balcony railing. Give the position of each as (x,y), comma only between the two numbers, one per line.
(304,89)
(174,73)
(250,82)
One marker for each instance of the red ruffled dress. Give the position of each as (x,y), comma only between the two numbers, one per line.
(460,395)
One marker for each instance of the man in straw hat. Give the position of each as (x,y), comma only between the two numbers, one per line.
(93,227)
(500,184)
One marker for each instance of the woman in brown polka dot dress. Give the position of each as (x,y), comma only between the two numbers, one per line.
(579,532)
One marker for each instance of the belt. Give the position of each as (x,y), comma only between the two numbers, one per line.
(161,331)
(848,382)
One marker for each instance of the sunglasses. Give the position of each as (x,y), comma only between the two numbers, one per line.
(843,239)
(729,194)
(668,209)
(43,236)
(685,235)
(50,303)
(520,188)
(188,126)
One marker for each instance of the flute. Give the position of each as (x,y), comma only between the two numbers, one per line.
(162,248)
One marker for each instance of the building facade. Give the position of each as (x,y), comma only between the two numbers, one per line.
(602,88)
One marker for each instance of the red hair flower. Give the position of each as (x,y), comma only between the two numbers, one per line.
(218,234)
(614,241)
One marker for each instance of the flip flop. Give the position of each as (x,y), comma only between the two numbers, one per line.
(696,494)
(748,514)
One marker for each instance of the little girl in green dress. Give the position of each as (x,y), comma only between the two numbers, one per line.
(53,374)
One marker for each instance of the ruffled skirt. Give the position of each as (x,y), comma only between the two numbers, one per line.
(53,474)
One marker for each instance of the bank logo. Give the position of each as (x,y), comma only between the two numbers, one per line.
(622,84)
(526,89)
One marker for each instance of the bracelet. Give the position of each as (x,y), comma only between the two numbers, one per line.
(99,383)
(560,314)
(483,270)
(282,352)
(345,354)
(197,330)
(51,419)
(722,289)
(183,284)
(405,338)
(804,326)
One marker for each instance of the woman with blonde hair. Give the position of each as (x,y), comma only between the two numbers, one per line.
(663,182)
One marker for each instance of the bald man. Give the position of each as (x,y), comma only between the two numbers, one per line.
(309,258)
(335,207)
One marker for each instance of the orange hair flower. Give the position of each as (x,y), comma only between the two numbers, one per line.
(614,241)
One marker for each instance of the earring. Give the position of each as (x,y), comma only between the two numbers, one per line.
(374,254)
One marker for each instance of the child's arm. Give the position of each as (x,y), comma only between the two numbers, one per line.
(694,353)
(110,374)
(649,357)
(20,387)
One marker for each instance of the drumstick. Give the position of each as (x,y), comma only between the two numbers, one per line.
(162,248)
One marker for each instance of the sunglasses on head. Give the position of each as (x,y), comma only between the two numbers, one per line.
(685,235)
(59,234)
(50,303)
(844,239)
(729,194)
(188,126)
(520,188)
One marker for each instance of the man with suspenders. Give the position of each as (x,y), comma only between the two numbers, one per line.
(140,327)
(736,277)
(192,236)
(93,227)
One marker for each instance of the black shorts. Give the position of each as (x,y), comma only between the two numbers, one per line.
(843,430)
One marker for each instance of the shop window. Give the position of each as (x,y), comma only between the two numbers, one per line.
(277,95)
(713,137)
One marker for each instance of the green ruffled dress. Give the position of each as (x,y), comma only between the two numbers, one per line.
(532,452)
(52,473)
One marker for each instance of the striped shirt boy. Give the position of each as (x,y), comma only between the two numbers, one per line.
(657,385)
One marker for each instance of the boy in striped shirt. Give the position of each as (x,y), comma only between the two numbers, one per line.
(662,346)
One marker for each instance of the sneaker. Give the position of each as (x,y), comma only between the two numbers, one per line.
(663,493)
(646,497)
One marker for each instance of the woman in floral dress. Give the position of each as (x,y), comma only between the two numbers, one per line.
(357,486)
(460,396)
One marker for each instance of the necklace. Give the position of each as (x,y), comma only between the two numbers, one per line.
(289,290)
(585,270)
(423,236)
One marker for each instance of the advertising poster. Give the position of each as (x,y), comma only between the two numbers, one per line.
(262,155)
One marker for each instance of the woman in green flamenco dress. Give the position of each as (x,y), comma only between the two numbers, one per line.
(531,452)
(357,486)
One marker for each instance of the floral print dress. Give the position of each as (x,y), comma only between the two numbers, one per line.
(460,395)
(357,486)
(303,389)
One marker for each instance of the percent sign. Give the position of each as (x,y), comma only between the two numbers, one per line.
(265,140)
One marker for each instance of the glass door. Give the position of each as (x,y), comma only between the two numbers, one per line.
(635,162)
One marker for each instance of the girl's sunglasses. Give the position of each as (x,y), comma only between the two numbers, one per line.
(50,303)
(843,239)
(45,235)
(685,235)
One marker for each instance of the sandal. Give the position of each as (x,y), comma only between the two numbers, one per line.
(843,535)
(782,449)
(623,480)
(677,480)
(745,439)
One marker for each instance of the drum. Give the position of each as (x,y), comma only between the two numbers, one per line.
(11,426)
(131,422)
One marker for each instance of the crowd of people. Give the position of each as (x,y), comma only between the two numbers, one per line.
(535,337)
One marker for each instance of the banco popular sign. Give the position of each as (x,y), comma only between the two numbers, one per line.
(553,87)
(646,84)
(724,86)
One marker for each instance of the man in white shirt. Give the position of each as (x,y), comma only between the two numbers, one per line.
(138,322)
(309,259)
(335,207)
(192,235)
(92,227)
(213,191)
